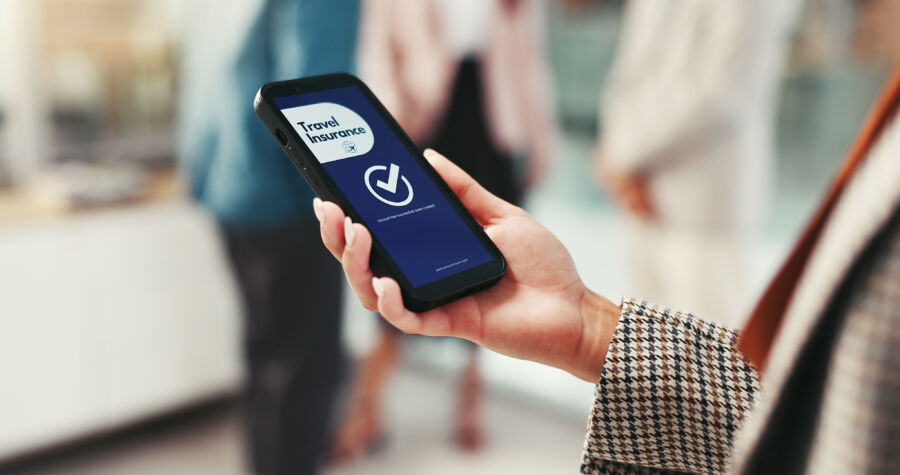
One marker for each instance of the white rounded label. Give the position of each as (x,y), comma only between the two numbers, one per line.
(331,131)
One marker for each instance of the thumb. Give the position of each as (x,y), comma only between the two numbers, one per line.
(483,205)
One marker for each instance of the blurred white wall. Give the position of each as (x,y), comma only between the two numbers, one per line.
(110,317)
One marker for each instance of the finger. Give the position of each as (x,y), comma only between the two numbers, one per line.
(483,205)
(643,208)
(637,198)
(631,201)
(355,260)
(638,207)
(331,225)
(645,201)
(390,305)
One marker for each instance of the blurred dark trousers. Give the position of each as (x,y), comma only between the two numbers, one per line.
(463,135)
(291,289)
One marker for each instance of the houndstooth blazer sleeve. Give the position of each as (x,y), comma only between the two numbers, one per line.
(673,393)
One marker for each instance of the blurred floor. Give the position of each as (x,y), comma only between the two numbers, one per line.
(523,438)
(204,441)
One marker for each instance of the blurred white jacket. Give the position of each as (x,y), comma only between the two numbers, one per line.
(690,104)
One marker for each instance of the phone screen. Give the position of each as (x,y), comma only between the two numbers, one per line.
(397,200)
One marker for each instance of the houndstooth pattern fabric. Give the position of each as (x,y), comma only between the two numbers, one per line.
(859,427)
(673,392)
(607,467)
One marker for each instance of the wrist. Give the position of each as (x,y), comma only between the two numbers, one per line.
(599,317)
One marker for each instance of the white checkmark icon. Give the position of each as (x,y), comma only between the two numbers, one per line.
(393,178)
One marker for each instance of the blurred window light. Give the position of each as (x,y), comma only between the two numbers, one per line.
(93,90)
(110,68)
(22,129)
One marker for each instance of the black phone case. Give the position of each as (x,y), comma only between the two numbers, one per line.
(313,172)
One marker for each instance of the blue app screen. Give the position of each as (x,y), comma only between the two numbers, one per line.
(396,199)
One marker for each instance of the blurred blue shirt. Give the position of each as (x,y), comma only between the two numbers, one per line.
(235,166)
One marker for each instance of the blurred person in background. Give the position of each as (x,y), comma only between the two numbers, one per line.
(468,78)
(687,143)
(290,287)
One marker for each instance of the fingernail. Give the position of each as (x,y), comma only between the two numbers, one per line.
(376,285)
(349,232)
(317,209)
(430,154)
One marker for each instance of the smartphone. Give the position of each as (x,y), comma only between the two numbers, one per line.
(352,152)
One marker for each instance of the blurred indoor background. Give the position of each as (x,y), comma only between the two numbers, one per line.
(119,321)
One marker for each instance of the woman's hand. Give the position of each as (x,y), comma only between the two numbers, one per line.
(539,311)
(630,191)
